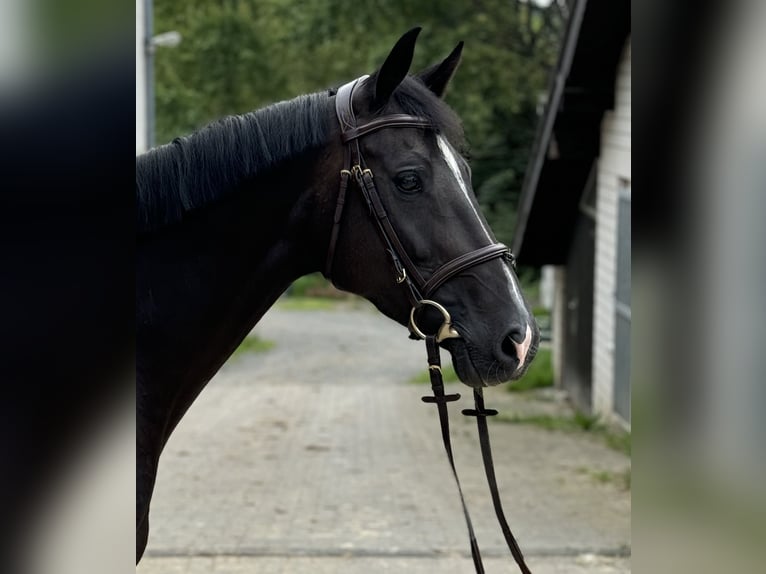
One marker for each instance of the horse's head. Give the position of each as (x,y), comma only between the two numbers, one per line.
(427,203)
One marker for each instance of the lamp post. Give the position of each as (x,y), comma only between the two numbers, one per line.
(151,43)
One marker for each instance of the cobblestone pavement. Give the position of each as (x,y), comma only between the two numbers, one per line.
(318,456)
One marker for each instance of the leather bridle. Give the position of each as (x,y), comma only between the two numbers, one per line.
(419,291)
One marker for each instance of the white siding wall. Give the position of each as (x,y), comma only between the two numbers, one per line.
(613,165)
(558,326)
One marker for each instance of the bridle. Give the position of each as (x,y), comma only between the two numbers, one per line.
(418,291)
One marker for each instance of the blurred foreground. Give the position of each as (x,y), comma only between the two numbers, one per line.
(698,304)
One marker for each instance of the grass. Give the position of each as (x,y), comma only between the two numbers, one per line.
(313,293)
(539,374)
(253,344)
(547,422)
(620,479)
(618,440)
(309,285)
(315,285)
(614,438)
(530,282)
(544,320)
(448,376)
(306,303)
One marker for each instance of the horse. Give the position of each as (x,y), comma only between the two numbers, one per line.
(229,216)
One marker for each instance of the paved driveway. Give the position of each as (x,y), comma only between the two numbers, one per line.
(318,456)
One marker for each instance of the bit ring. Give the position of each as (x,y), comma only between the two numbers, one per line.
(446,331)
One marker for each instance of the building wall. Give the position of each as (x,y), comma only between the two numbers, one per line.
(558,327)
(613,167)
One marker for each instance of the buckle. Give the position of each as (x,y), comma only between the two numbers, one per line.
(510,258)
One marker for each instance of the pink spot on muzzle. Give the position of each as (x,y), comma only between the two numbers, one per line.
(523,348)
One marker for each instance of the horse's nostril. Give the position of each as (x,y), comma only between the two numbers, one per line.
(517,335)
(516,344)
(507,347)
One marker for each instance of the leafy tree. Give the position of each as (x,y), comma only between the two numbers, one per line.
(239,55)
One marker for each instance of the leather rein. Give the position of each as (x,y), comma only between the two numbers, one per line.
(418,291)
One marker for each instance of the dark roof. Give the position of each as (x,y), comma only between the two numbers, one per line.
(568,134)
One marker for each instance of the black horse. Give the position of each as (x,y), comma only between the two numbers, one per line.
(229,216)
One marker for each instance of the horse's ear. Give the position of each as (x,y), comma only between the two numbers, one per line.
(438,76)
(395,68)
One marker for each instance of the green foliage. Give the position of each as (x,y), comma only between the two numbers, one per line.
(539,312)
(239,55)
(539,374)
(529,278)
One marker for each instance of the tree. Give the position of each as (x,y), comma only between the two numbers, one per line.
(239,55)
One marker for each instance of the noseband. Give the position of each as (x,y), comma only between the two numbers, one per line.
(419,290)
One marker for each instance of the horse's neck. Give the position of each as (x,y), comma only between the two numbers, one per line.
(203,284)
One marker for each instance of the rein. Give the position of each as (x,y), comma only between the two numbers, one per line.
(418,292)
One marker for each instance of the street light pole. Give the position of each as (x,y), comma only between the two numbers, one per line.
(149,59)
(168,39)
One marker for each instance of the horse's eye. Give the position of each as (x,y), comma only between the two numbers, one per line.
(408,182)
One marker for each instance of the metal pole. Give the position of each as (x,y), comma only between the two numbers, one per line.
(149,51)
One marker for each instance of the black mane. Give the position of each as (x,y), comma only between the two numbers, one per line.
(195,170)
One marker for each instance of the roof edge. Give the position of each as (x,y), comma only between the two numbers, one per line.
(545,125)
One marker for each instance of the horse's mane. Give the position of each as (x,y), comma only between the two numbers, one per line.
(200,168)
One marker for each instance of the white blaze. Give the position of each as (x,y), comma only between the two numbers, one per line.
(452,162)
(449,156)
